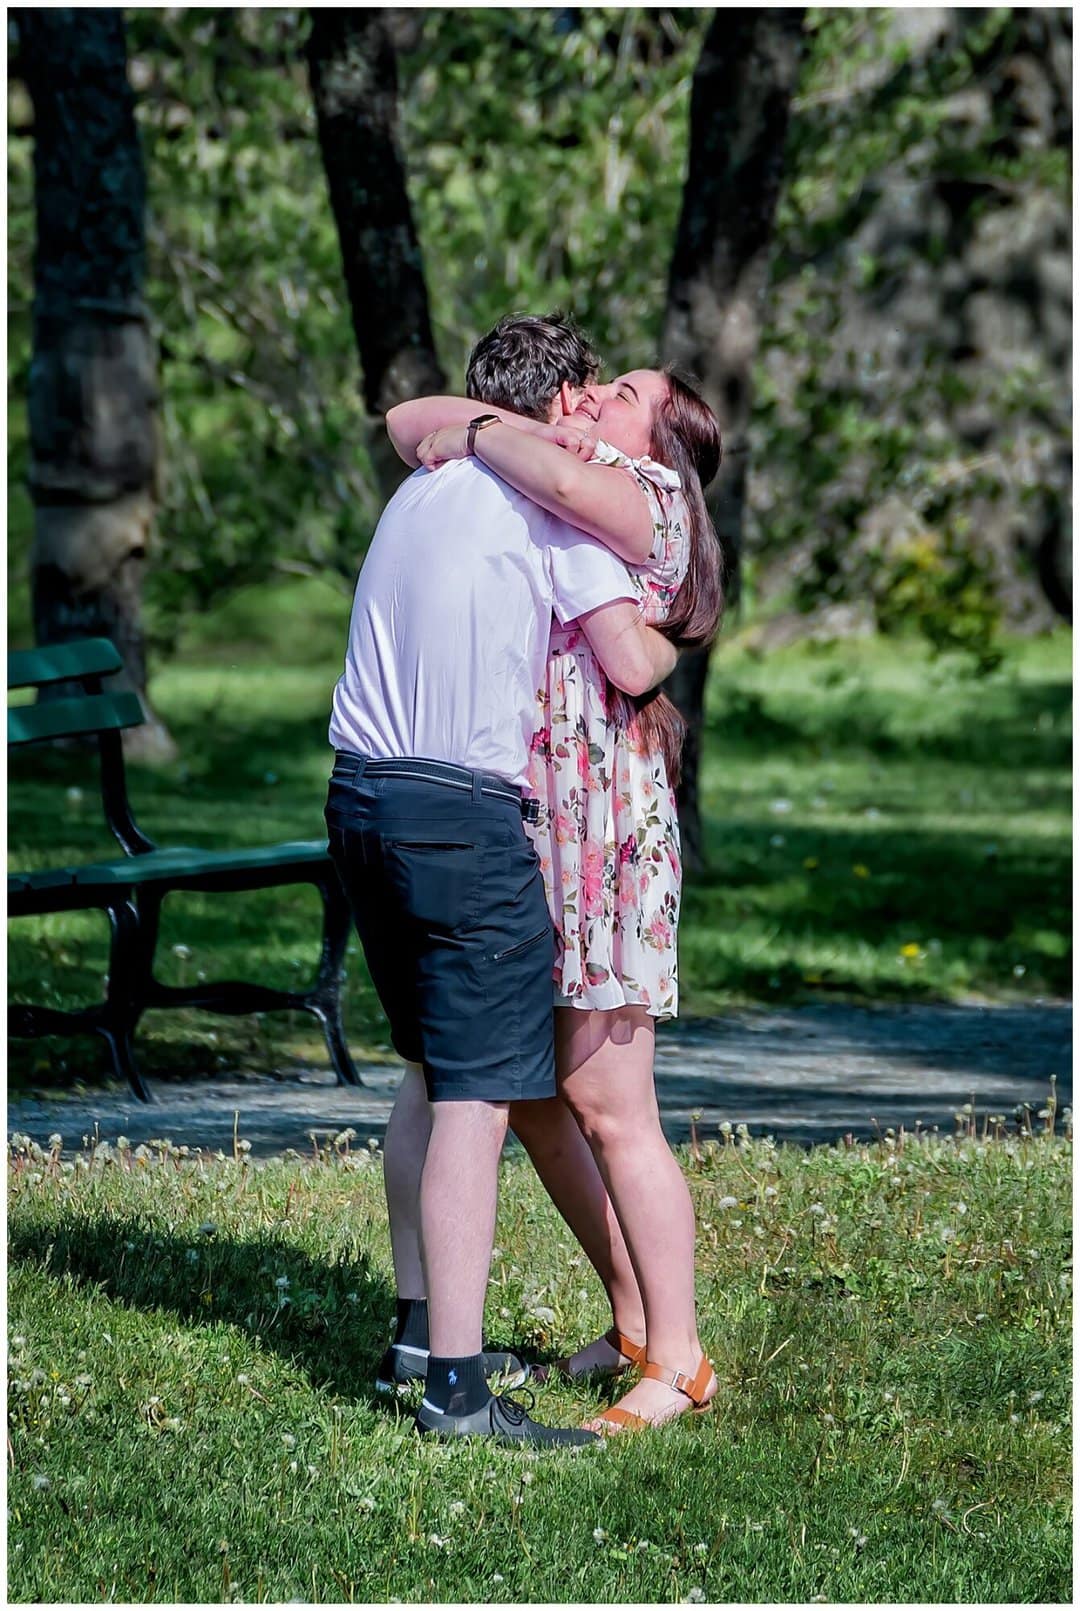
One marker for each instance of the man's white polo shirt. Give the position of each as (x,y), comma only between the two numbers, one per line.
(450,621)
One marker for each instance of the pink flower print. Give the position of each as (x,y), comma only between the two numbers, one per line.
(659,932)
(627,850)
(541,741)
(583,762)
(643,883)
(627,887)
(564,828)
(592,880)
(647,788)
(673,859)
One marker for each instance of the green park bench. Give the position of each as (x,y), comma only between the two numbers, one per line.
(131,889)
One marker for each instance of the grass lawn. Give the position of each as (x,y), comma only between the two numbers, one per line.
(879,827)
(192,1342)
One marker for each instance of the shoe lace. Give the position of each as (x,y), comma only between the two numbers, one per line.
(514,1409)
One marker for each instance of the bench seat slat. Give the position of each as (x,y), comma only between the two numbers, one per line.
(59,662)
(46,878)
(186,862)
(72,718)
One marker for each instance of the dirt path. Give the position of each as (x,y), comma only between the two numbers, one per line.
(806,1075)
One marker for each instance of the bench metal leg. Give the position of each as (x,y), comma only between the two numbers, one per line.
(123,999)
(325,998)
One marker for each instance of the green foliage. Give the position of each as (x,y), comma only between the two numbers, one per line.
(546,152)
(192,1342)
(890,440)
(546,159)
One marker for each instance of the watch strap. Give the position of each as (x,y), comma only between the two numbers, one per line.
(475,425)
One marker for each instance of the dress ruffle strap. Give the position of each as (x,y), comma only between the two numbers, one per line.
(658,474)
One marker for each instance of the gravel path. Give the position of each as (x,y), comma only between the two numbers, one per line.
(807,1075)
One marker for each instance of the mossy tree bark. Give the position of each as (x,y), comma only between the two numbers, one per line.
(739,111)
(352,61)
(93,392)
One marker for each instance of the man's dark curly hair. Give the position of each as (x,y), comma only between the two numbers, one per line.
(526,358)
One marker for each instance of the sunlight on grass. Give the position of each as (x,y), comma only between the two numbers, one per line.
(193,1340)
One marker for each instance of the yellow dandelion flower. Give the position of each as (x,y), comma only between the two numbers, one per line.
(909,950)
(860,871)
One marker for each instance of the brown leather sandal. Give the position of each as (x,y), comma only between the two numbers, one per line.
(632,1351)
(693,1386)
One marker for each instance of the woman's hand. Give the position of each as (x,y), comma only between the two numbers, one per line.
(439,446)
(580,442)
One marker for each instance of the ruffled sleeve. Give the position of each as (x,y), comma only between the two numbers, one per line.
(670,555)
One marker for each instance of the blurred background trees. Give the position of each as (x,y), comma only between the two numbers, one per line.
(91,400)
(909,458)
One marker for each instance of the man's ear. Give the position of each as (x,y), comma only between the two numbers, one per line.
(569,397)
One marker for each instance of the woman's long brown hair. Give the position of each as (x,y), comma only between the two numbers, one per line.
(685,437)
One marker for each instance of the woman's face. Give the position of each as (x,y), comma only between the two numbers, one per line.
(622,409)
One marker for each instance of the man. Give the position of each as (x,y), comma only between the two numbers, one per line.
(432,721)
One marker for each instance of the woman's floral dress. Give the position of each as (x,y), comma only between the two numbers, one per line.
(608,835)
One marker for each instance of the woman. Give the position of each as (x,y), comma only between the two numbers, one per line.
(628,467)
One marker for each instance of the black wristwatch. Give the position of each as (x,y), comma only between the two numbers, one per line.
(475,425)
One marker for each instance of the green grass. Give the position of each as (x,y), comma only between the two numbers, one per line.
(879,827)
(889,1323)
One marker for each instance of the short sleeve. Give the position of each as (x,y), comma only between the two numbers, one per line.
(663,573)
(584,574)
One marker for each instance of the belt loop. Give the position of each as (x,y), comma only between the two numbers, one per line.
(476,791)
(361,768)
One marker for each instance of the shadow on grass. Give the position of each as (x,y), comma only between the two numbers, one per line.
(1020,725)
(334,1326)
(336,1339)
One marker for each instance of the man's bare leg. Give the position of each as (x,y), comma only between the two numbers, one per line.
(458,1192)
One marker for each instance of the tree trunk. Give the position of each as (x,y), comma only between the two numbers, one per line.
(93,395)
(352,62)
(739,109)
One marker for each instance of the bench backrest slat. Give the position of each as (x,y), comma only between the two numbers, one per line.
(59,662)
(71,718)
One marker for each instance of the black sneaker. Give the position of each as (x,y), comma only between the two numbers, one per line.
(504,1420)
(402,1366)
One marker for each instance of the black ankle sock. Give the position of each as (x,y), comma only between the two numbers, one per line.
(411,1327)
(457,1386)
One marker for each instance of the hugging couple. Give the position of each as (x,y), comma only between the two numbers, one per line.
(505,850)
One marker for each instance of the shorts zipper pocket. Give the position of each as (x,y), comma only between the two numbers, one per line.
(501,956)
(431,845)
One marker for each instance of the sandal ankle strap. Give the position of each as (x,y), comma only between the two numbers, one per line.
(625,1346)
(693,1386)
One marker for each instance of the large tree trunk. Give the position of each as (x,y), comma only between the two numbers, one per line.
(94,441)
(739,111)
(352,60)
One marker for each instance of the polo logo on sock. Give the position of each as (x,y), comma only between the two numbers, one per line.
(452,1377)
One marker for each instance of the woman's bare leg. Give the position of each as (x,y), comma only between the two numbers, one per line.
(404,1150)
(561,1157)
(605,1062)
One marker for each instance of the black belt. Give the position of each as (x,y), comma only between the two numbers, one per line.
(351,768)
